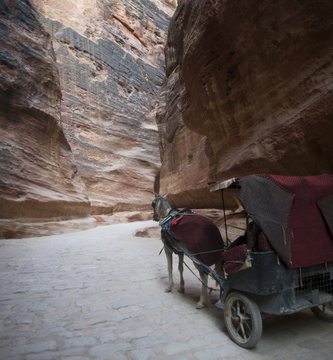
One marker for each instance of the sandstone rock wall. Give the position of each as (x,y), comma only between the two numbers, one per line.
(255,85)
(79,83)
(38,174)
(111,64)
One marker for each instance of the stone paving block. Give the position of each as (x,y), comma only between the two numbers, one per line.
(221,353)
(142,354)
(107,337)
(107,350)
(99,306)
(56,355)
(79,342)
(136,333)
(180,347)
(154,341)
(117,356)
(37,347)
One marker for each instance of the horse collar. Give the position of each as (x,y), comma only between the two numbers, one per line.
(170,215)
(166,219)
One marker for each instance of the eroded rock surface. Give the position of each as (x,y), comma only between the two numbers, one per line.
(38,175)
(111,63)
(79,83)
(255,93)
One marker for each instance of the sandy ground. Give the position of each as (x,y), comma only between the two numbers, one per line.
(99,294)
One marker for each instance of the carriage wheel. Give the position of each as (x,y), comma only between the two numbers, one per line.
(324,312)
(243,320)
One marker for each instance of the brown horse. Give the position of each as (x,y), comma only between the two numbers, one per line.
(195,233)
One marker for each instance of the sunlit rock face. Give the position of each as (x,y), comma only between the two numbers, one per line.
(38,175)
(111,65)
(255,86)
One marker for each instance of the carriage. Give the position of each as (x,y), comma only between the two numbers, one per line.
(283,262)
(288,264)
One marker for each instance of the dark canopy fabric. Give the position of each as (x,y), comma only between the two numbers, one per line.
(287,210)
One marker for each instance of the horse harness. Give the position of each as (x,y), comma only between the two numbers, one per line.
(173,217)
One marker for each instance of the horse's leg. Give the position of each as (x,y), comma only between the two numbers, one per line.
(168,254)
(181,270)
(203,301)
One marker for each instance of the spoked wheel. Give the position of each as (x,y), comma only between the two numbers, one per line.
(324,312)
(243,320)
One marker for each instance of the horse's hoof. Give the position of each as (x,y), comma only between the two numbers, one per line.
(181,290)
(167,290)
(200,305)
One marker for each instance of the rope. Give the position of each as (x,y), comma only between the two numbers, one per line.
(236,227)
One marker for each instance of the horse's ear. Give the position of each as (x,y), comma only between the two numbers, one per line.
(165,196)
(156,195)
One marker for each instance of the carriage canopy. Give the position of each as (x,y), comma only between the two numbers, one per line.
(294,212)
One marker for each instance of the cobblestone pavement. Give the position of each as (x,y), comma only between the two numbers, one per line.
(99,294)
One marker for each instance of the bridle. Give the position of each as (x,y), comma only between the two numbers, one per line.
(157,217)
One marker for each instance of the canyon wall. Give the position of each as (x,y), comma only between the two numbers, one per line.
(79,83)
(249,90)
(111,67)
(38,174)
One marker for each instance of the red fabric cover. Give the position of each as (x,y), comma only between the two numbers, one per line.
(311,243)
(198,234)
(262,243)
(234,258)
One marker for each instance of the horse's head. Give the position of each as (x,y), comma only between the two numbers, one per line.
(161,207)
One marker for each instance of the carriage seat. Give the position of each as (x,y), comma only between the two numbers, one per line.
(235,256)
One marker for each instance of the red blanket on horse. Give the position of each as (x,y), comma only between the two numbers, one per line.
(198,234)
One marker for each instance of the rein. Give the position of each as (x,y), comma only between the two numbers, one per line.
(208,287)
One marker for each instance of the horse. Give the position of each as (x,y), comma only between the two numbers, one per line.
(195,233)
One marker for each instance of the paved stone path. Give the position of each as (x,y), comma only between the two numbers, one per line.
(99,294)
